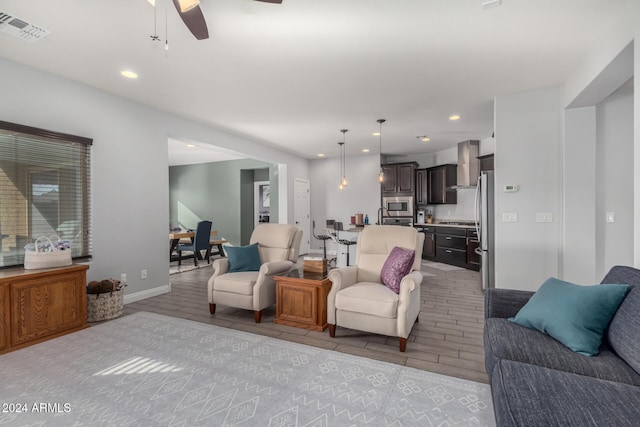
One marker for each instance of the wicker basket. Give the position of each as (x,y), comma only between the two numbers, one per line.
(40,259)
(105,306)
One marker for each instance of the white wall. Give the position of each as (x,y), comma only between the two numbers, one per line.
(621,33)
(614,180)
(130,183)
(593,172)
(362,195)
(528,154)
(579,255)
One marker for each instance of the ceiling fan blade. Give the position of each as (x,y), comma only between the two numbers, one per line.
(271,1)
(194,20)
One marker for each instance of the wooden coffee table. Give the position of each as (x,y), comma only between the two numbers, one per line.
(301,300)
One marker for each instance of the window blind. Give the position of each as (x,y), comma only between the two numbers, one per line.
(44,190)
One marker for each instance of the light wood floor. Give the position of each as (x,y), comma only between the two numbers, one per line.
(447,339)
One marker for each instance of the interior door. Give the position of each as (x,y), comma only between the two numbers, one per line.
(301,212)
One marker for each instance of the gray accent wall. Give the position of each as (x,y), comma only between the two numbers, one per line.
(221,192)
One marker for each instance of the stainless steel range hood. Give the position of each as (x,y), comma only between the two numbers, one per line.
(468,164)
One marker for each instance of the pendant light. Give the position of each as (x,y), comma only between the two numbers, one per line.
(381,176)
(186,5)
(343,160)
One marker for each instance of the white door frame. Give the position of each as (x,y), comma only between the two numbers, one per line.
(256,200)
(305,209)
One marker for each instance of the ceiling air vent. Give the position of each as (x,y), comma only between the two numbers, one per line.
(21,29)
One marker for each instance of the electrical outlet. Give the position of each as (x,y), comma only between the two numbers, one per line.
(143,274)
(509,217)
(123,277)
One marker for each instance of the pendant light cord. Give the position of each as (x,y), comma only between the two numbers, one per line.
(166,25)
(343,160)
(381,176)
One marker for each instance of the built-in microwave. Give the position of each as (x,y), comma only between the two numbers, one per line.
(398,206)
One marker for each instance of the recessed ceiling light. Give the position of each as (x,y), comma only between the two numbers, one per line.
(491,4)
(320,154)
(129,74)
(152,2)
(365,150)
(376,134)
(423,138)
(454,117)
(190,145)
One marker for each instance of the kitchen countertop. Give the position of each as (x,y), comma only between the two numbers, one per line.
(439,224)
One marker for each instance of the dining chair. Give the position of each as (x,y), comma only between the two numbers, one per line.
(200,242)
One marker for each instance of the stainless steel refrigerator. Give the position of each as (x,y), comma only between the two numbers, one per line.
(485,221)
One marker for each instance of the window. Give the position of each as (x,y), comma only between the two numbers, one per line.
(44,190)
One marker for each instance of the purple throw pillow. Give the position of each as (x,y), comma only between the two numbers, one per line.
(397,265)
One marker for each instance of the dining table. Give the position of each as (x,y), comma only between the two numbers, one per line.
(175,236)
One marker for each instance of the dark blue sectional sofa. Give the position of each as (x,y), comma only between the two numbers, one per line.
(537,381)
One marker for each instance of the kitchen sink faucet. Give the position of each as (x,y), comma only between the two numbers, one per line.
(381,210)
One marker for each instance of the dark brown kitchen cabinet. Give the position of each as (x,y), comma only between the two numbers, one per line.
(389,181)
(451,246)
(439,181)
(422,195)
(486,162)
(399,178)
(429,247)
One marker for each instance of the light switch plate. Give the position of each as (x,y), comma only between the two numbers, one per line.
(544,217)
(509,217)
(611,217)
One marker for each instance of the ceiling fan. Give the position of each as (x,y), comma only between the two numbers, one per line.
(189,11)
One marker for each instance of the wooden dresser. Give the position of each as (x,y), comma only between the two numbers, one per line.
(37,305)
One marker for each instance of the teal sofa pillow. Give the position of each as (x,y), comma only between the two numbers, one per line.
(243,258)
(575,315)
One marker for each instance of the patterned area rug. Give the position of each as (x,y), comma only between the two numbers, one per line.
(147,369)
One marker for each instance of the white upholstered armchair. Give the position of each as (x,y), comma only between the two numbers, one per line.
(358,299)
(278,246)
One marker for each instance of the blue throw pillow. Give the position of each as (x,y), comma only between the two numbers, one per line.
(243,258)
(574,315)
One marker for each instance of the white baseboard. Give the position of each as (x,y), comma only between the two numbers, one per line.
(138,296)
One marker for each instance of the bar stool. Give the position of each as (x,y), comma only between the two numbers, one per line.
(345,242)
(323,237)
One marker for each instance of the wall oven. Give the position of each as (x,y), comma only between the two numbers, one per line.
(398,206)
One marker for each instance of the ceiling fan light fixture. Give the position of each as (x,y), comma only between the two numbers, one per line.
(186,5)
